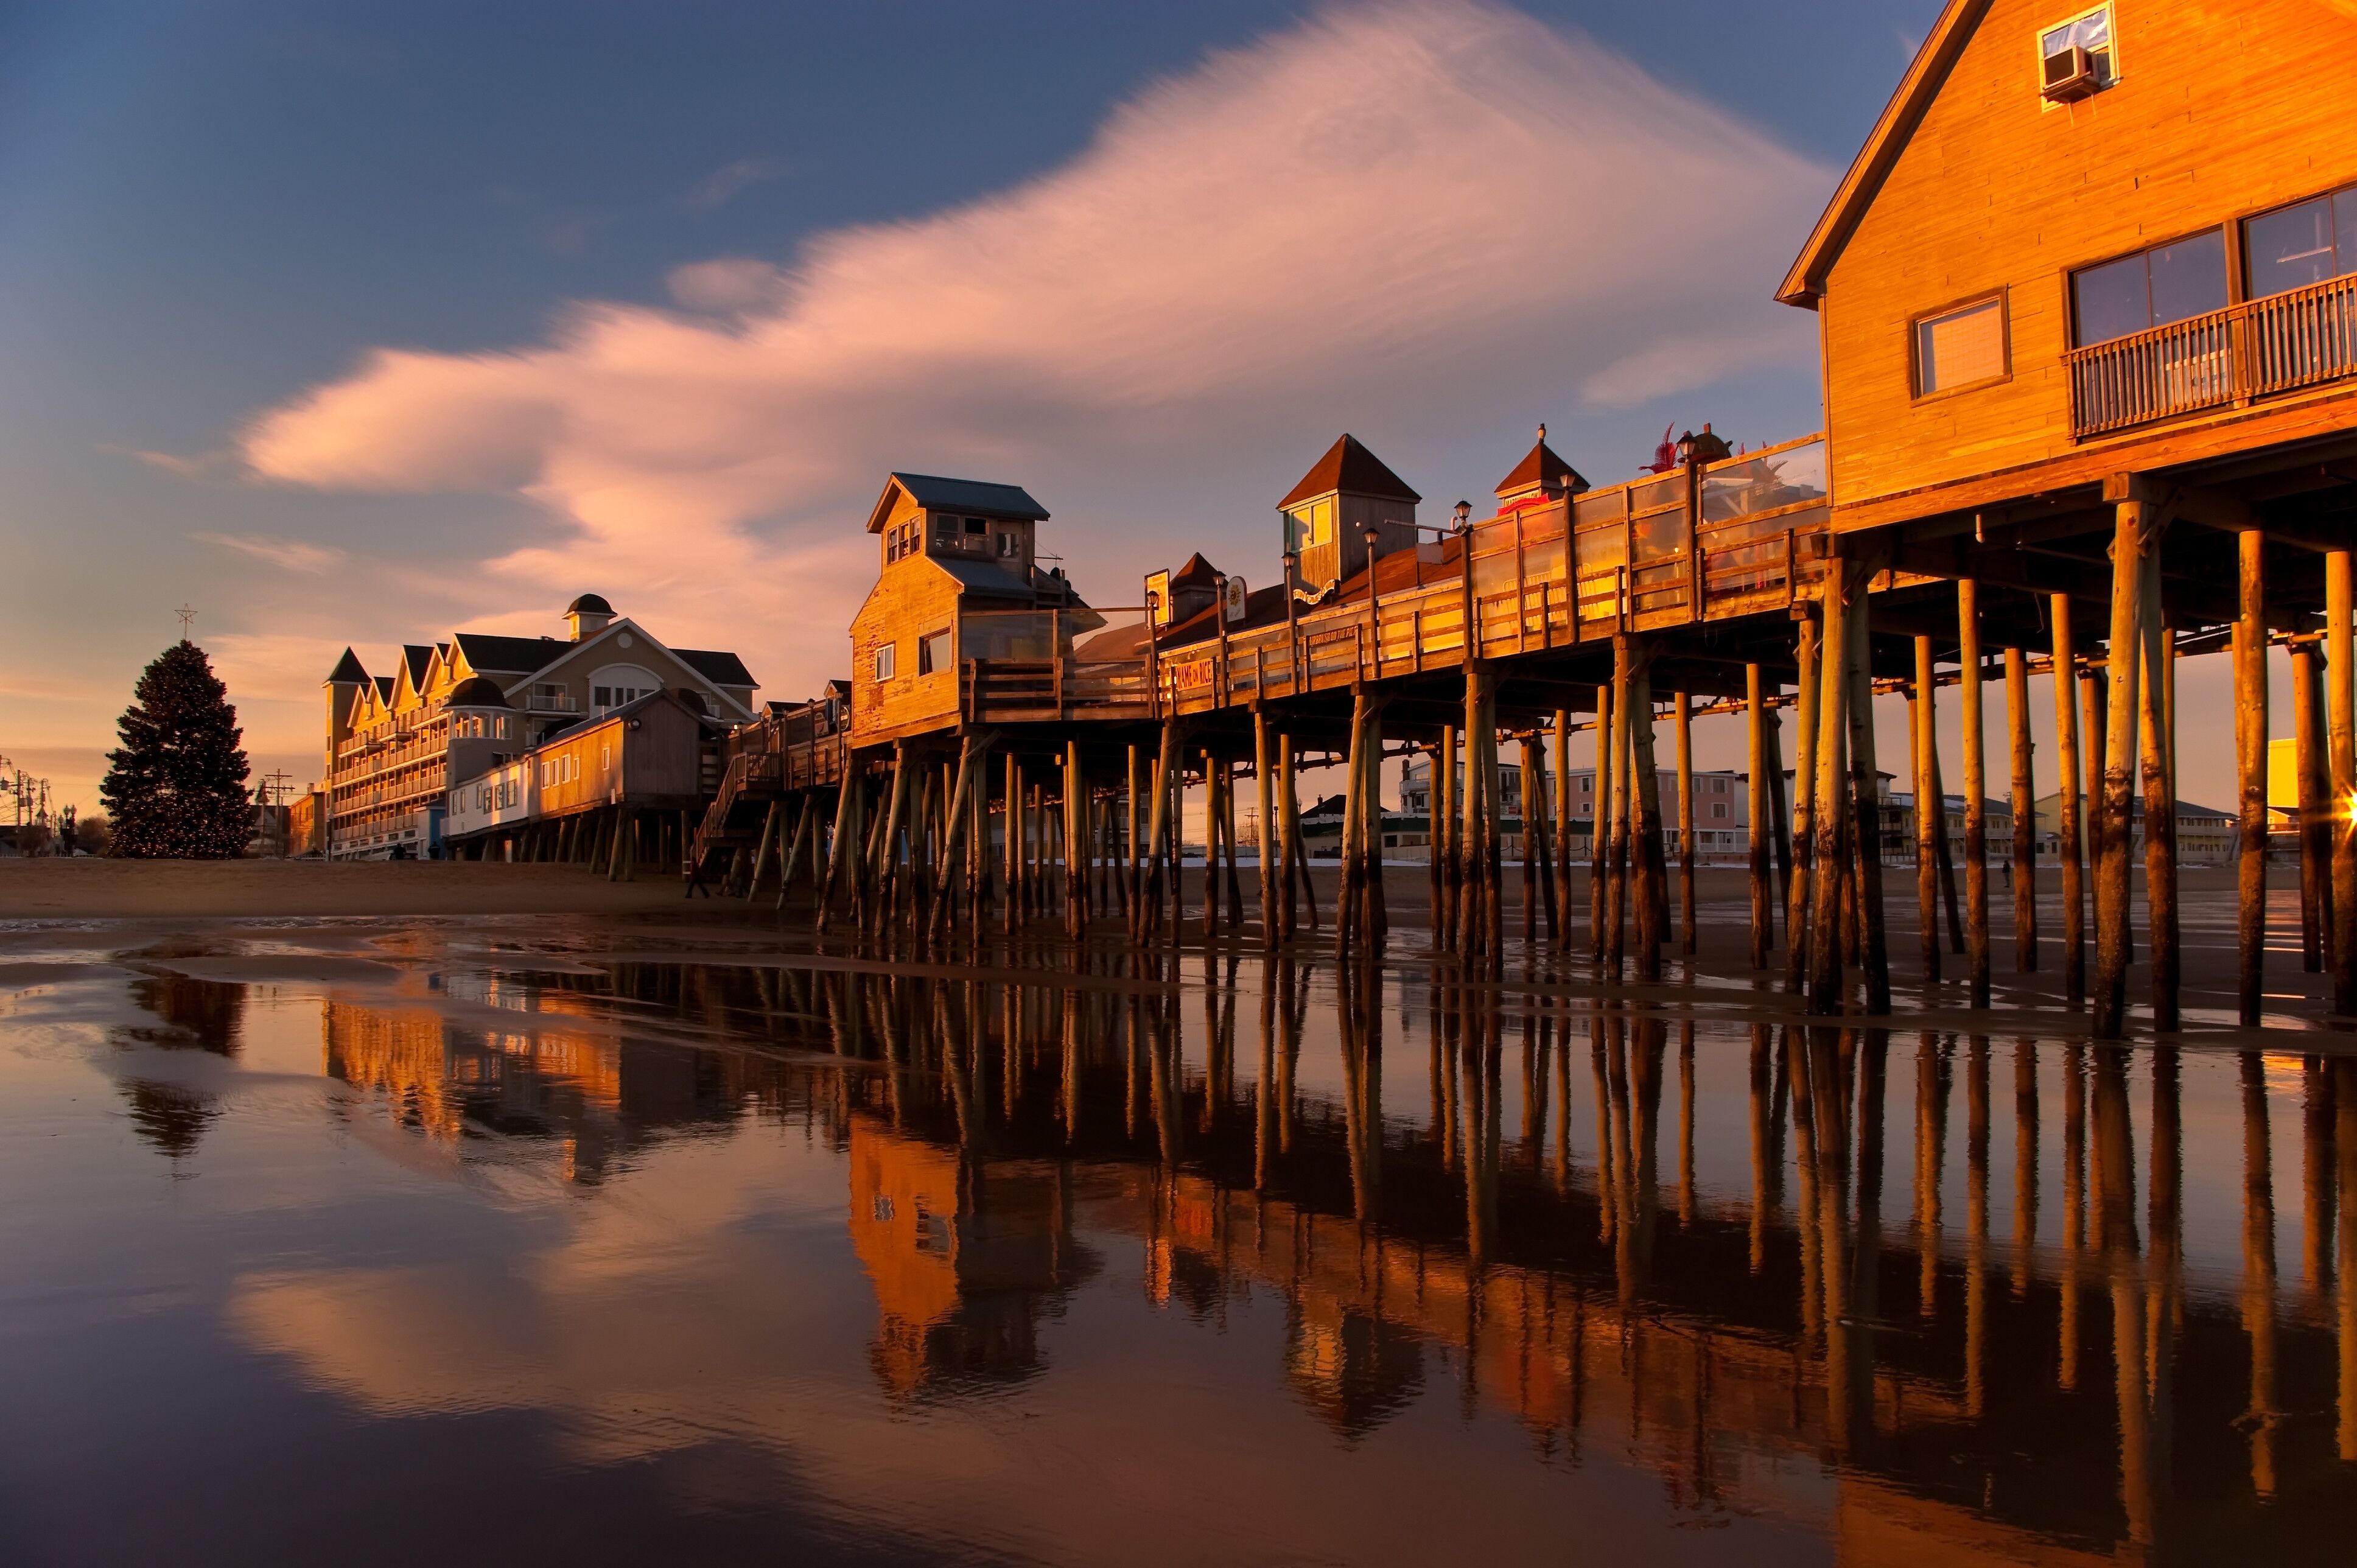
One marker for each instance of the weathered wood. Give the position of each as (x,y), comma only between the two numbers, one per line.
(2314,827)
(1011,851)
(1756,759)
(805,826)
(839,845)
(2159,795)
(1297,868)
(1800,931)
(1370,837)
(1077,841)
(1264,823)
(1616,869)
(2341,737)
(1968,657)
(1130,869)
(2025,813)
(2066,804)
(1780,836)
(954,813)
(1931,812)
(1826,807)
(2112,875)
(2250,750)
(1681,708)
(1560,908)
(1599,824)
(1530,810)
(1351,886)
(1866,811)
(1444,841)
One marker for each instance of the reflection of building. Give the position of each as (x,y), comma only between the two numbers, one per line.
(964,1257)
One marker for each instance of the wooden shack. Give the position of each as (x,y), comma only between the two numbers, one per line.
(957,580)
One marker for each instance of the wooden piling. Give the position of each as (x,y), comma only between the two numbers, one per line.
(2251,749)
(1756,725)
(1530,813)
(1378,916)
(2159,795)
(1264,823)
(1600,824)
(1866,809)
(1825,869)
(2025,813)
(1645,823)
(1931,811)
(2341,798)
(2066,803)
(1616,864)
(2112,878)
(1443,815)
(1350,884)
(1681,708)
(1559,908)
(1968,657)
(1288,828)
(1800,935)
(2314,826)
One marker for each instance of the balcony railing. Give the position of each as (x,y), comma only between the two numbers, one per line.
(2281,343)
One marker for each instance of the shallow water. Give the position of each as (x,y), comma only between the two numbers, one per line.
(508,1241)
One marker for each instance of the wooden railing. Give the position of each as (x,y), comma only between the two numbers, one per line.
(2282,342)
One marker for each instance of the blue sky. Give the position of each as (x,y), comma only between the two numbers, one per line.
(668,289)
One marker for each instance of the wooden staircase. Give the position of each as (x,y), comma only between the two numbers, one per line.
(754,782)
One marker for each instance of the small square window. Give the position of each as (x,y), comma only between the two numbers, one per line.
(2090,30)
(1960,347)
(885,661)
(975,525)
(935,653)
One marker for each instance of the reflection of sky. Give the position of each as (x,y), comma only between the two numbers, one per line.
(314,1264)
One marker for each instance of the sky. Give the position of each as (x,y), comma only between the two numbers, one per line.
(362,323)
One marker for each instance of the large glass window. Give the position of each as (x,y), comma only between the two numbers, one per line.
(2151,288)
(2294,246)
(934,652)
(1960,347)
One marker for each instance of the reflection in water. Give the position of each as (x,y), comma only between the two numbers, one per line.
(2029,1370)
(192,1015)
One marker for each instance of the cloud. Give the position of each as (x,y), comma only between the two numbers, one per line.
(298,555)
(1395,216)
(716,189)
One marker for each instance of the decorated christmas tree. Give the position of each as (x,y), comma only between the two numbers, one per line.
(175,788)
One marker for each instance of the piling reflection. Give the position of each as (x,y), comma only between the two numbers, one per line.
(2030,1369)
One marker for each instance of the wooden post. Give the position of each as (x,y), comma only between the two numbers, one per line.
(1228,844)
(2066,804)
(1493,871)
(1653,880)
(1012,849)
(1779,823)
(1472,916)
(1076,842)
(1214,771)
(2251,738)
(1931,811)
(1968,657)
(1756,720)
(1265,824)
(2122,662)
(1530,816)
(2315,828)
(1129,870)
(1351,888)
(838,846)
(1616,866)
(1288,829)
(2025,813)
(1378,915)
(1825,811)
(1800,933)
(954,814)
(1444,841)
(805,822)
(1599,822)
(1681,706)
(2340,735)
(1866,809)
(2159,795)
(1559,908)
(2095,724)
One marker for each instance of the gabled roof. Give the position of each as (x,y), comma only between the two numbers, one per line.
(1350,468)
(507,655)
(1197,573)
(383,688)
(418,658)
(1805,282)
(935,493)
(1540,465)
(720,668)
(347,673)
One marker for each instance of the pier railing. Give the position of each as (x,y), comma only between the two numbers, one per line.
(2300,338)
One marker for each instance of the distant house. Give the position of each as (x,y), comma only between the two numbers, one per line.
(2204,836)
(397,744)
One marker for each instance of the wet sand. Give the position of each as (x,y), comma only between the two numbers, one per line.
(100,888)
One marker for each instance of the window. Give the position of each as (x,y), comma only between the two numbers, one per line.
(1008,544)
(1960,347)
(1719,812)
(935,653)
(884,661)
(975,528)
(2294,246)
(2091,31)
(1309,526)
(2151,288)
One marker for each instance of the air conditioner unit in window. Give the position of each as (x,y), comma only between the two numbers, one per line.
(2068,75)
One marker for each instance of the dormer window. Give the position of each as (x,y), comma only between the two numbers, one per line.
(2077,59)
